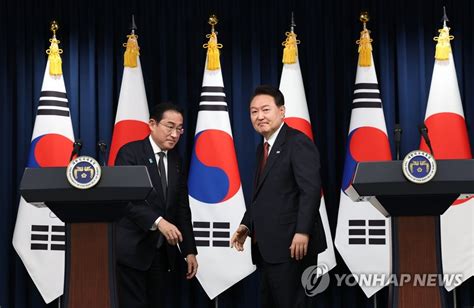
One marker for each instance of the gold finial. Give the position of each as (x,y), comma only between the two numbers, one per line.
(443,47)
(213,21)
(364,18)
(54,52)
(54,27)
(213,61)
(290,52)
(365,46)
(132,50)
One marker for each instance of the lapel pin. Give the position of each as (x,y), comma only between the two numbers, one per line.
(278,152)
(150,160)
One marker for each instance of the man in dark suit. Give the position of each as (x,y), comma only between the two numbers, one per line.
(283,218)
(147,236)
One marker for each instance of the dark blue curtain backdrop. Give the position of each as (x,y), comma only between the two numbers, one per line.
(171,34)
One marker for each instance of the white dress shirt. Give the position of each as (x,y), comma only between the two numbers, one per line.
(156,150)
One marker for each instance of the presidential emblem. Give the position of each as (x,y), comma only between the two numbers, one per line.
(419,167)
(83,172)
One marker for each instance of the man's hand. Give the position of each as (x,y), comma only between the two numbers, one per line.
(299,246)
(170,232)
(192,266)
(239,237)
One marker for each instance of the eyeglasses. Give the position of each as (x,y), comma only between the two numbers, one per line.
(170,129)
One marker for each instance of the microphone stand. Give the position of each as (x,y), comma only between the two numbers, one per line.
(103,151)
(424,133)
(398,136)
(76,149)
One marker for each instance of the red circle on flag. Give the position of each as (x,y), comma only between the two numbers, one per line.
(300,124)
(462,201)
(124,132)
(448,135)
(53,150)
(369,144)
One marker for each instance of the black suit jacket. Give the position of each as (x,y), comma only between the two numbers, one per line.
(135,242)
(286,198)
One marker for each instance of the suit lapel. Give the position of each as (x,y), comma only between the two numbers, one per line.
(152,166)
(272,157)
(258,159)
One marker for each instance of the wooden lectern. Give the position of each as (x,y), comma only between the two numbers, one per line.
(415,211)
(88,214)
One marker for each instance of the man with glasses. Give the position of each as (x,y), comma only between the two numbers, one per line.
(147,236)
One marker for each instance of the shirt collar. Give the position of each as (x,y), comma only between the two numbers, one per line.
(155,147)
(273,137)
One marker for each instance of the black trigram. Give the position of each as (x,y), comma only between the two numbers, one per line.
(366,95)
(367,232)
(217,236)
(53,103)
(45,237)
(213,99)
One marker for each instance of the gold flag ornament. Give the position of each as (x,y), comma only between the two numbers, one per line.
(53,52)
(443,47)
(365,42)
(290,52)
(213,61)
(132,51)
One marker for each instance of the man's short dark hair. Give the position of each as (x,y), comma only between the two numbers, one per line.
(266,89)
(159,109)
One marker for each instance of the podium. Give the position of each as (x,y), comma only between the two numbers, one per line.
(88,214)
(415,210)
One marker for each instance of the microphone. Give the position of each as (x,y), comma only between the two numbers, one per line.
(398,137)
(424,133)
(103,151)
(76,148)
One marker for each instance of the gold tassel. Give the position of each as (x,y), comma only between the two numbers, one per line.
(54,58)
(443,47)
(290,52)
(132,51)
(365,48)
(213,61)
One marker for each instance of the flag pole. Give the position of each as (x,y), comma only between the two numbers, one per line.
(213,63)
(455,299)
(54,27)
(54,56)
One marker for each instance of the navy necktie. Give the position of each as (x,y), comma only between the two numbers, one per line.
(161,170)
